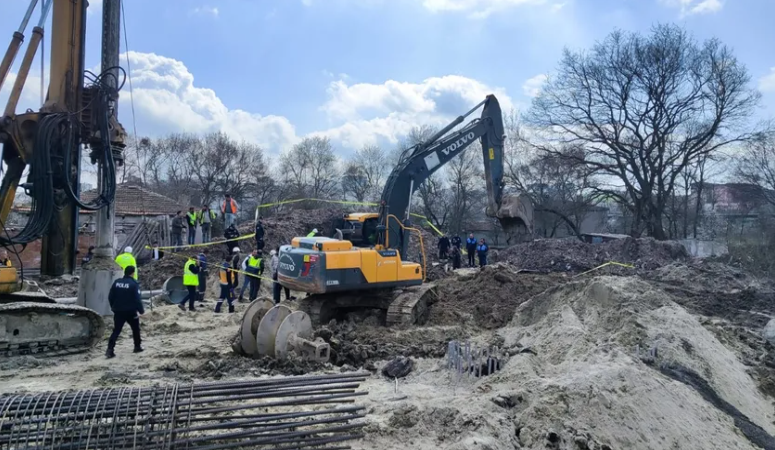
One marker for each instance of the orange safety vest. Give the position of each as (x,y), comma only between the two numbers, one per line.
(223,275)
(232,207)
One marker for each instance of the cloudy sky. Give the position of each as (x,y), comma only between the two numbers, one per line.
(367,71)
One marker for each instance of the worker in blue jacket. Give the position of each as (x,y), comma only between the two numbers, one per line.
(471,249)
(481,251)
(127,306)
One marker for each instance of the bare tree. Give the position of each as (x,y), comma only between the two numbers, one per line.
(644,108)
(756,165)
(311,170)
(355,184)
(465,179)
(561,189)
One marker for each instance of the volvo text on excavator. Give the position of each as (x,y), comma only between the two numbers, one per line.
(373,254)
(47,145)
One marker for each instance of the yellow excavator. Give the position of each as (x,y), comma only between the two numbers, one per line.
(368,267)
(79,110)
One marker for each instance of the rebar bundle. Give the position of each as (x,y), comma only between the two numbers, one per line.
(473,361)
(279,413)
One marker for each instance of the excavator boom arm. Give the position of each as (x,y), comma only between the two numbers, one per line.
(428,157)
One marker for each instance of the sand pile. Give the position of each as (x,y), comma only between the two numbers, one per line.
(572,255)
(488,297)
(586,378)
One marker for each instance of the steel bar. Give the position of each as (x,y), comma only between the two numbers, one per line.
(264,413)
(265,387)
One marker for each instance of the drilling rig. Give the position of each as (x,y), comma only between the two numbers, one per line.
(79,112)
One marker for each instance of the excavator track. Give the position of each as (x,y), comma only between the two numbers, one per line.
(50,329)
(406,306)
(410,307)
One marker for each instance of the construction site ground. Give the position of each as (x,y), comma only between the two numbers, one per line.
(667,354)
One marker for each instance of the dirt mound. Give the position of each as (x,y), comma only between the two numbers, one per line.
(362,344)
(488,297)
(715,289)
(60,287)
(598,344)
(572,255)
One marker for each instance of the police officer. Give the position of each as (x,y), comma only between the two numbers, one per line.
(471,249)
(482,250)
(127,306)
(259,235)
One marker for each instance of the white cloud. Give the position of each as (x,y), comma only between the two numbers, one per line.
(532,87)
(95,6)
(767,82)
(166,99)
(205,11)
(388,111)
(480,8)
(690,7)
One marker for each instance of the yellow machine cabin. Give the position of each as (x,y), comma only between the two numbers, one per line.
(319,265)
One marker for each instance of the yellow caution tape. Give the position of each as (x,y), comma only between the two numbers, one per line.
(173,247)
(218,266)
(609,263)
(298,200)
(435,229)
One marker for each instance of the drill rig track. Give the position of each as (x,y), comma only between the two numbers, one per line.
(48,329)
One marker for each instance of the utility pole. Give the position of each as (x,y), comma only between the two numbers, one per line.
(98,275)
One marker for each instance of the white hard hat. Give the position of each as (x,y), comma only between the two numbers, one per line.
(273,253)
(236,249)
(128,250)
(315,230)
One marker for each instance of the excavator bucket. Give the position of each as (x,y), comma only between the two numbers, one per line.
(516,217)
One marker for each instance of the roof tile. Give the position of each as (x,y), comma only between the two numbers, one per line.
(132,200)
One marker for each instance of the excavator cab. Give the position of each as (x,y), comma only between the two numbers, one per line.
(359,228)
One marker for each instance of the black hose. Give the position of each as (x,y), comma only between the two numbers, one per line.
(57,131)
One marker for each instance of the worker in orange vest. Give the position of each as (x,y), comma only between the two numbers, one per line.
(229,210)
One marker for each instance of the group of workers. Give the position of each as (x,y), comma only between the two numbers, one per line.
(203,219)
(452,249)
(253,268)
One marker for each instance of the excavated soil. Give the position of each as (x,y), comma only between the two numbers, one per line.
(364,344)
(486,298)
(572,255)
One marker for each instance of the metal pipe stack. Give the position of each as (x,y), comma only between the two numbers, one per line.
(279,413)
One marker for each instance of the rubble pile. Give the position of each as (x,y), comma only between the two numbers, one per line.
(572,255)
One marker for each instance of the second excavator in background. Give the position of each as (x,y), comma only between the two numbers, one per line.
(369,268)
